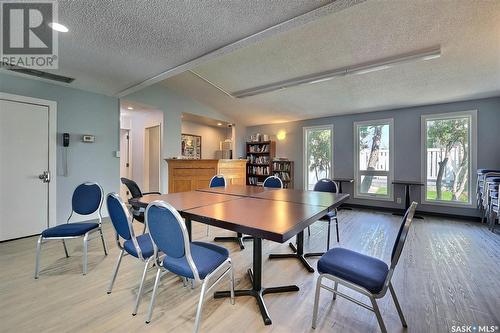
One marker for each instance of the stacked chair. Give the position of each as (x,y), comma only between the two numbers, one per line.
(488,181)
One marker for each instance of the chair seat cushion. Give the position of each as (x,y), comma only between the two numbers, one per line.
(207,257)
(329,216)
(70,229)
(354,267)
(144,242)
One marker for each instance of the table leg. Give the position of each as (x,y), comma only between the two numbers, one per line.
(340,191)
(407,204)
(298,253)
(188,227)
(237,239)
(257,290)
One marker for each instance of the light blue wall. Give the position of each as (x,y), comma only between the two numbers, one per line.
(406,141)
(78,112)
(173,104)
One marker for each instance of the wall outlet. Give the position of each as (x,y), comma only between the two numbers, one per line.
(398,200)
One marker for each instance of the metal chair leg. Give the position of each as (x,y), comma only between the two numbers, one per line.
(85,250)
(153,297)
(115,272)
(316,301)
(398,307)
(308,231)
(378,315)
(37,256)
(65,249)
(103,243)
(200,307)
(139,293)
(335,287)
(328,235)
(231,282)
(337,227)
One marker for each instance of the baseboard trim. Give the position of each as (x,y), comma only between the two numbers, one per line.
(418,212)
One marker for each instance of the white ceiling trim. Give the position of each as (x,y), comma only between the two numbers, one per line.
(310,16)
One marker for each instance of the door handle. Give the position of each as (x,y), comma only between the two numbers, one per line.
(45,177)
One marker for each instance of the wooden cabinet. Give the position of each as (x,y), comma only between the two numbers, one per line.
(190,175)
(233,171)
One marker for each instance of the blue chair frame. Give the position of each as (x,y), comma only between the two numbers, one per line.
(126,232)
(85,235)
(226,266)
(396,254)
(216,181)
(272,182)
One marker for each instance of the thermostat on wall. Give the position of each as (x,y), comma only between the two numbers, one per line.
(88,138)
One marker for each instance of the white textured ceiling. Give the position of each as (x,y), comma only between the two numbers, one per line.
(468,32)
(113,45)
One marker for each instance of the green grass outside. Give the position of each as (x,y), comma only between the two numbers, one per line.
(445,196)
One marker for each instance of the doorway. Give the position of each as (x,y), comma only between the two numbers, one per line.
(152,144)
(125,161)
(27,166)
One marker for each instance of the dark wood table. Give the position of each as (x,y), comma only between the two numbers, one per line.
(323,199)
(407,184)
(183,201)
(340,181)
(273,220)
(238,190)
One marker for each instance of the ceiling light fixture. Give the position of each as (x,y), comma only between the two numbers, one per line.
(364,68)
(58,27)
(219,124)
(130,108)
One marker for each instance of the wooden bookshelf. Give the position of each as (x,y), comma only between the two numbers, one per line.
(260,156)
(284,170)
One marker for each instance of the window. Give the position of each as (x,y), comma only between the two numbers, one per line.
(318,152)
(373,159)
(448,149)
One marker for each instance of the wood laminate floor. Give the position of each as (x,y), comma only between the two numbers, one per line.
(449,274)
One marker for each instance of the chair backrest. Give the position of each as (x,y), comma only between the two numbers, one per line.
(326,185)
(273,182)
(132,186)
(119,216)
(122,222)
(403,232)
(169,233)
(87,199)
(217,181)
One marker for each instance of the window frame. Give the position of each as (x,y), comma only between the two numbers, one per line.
(304,152)
(390,173)
(472,115)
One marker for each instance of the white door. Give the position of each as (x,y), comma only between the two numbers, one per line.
(125,166)
(24,155)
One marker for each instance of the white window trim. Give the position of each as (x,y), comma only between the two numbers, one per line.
(390,177)
(304,150)
(472,115)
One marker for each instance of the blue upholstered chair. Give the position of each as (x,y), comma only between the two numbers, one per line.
(490,200)
(364,274)
(216,181)
(487,184)
(273,182)
(140,247)
(87,200)
(197,261)
(481,176)
(328,185)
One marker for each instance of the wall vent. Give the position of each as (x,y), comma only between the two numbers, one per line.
(37,73)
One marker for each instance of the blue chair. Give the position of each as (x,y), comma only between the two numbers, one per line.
(197,261)
(273,182)
(488,180)
(482,174)
(140,247)
(87,200)
(327,185)
(364,274)
(216,181)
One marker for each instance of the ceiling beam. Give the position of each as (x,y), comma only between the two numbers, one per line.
(334,7)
